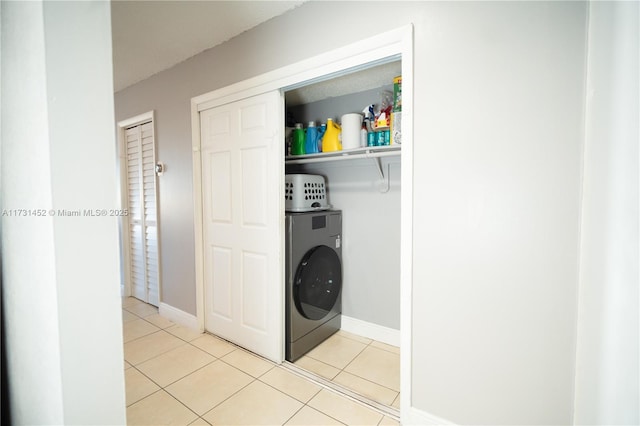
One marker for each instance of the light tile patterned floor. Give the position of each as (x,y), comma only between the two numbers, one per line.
(177,377)
(366,366)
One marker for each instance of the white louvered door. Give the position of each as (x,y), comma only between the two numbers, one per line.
(141,197)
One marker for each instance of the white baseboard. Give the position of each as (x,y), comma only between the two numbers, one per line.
(414,416)
(373,331)
(179,317)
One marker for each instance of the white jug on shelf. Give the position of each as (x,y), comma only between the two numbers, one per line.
(351,126)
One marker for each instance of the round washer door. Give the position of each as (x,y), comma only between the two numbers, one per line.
(317,283)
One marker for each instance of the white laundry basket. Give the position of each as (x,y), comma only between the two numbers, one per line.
(304,193)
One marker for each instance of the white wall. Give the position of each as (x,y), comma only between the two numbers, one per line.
(60,274)
(607,359)
(498,153)
(29,322)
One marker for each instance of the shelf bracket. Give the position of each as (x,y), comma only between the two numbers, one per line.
(383,184)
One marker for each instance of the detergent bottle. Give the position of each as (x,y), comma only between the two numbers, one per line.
(331,140)
(311,139)
(297,140)
(323,128)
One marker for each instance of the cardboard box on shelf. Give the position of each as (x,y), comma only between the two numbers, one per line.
(396,128)
(397,94)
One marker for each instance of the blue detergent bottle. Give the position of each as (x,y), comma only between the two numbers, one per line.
(323,128)
(311,139)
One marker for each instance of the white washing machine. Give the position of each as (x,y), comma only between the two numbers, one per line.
(314,279)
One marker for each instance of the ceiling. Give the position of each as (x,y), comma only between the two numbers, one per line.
(370,76)
(152,36)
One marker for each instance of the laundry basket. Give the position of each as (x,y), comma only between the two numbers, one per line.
(304,193)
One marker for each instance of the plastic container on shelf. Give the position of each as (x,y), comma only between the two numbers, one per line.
(303,193)
(331,139)
(297,140)
(351,126)
(312,139)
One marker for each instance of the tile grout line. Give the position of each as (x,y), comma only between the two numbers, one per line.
(312,408)
(336,388)
(155,356)
(354,358)
(229,365)
(233,394)
(352,374)
(343,370)
(372,382)
(279,390)
(164,388)
(144,397)
(343,391)
(129,322)
(161,388)
(177,380)
(216,358)
(182,403)
(364,378)
(168,393)
(371,342)
(304,404)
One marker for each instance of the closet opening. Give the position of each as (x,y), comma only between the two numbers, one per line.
(355,345)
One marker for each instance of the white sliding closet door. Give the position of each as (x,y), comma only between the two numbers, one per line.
(242,172)
(141,197)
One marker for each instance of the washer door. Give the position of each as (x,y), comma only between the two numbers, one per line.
(317,283)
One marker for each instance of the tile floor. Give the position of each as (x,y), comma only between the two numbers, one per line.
(175,376)
(365,366)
